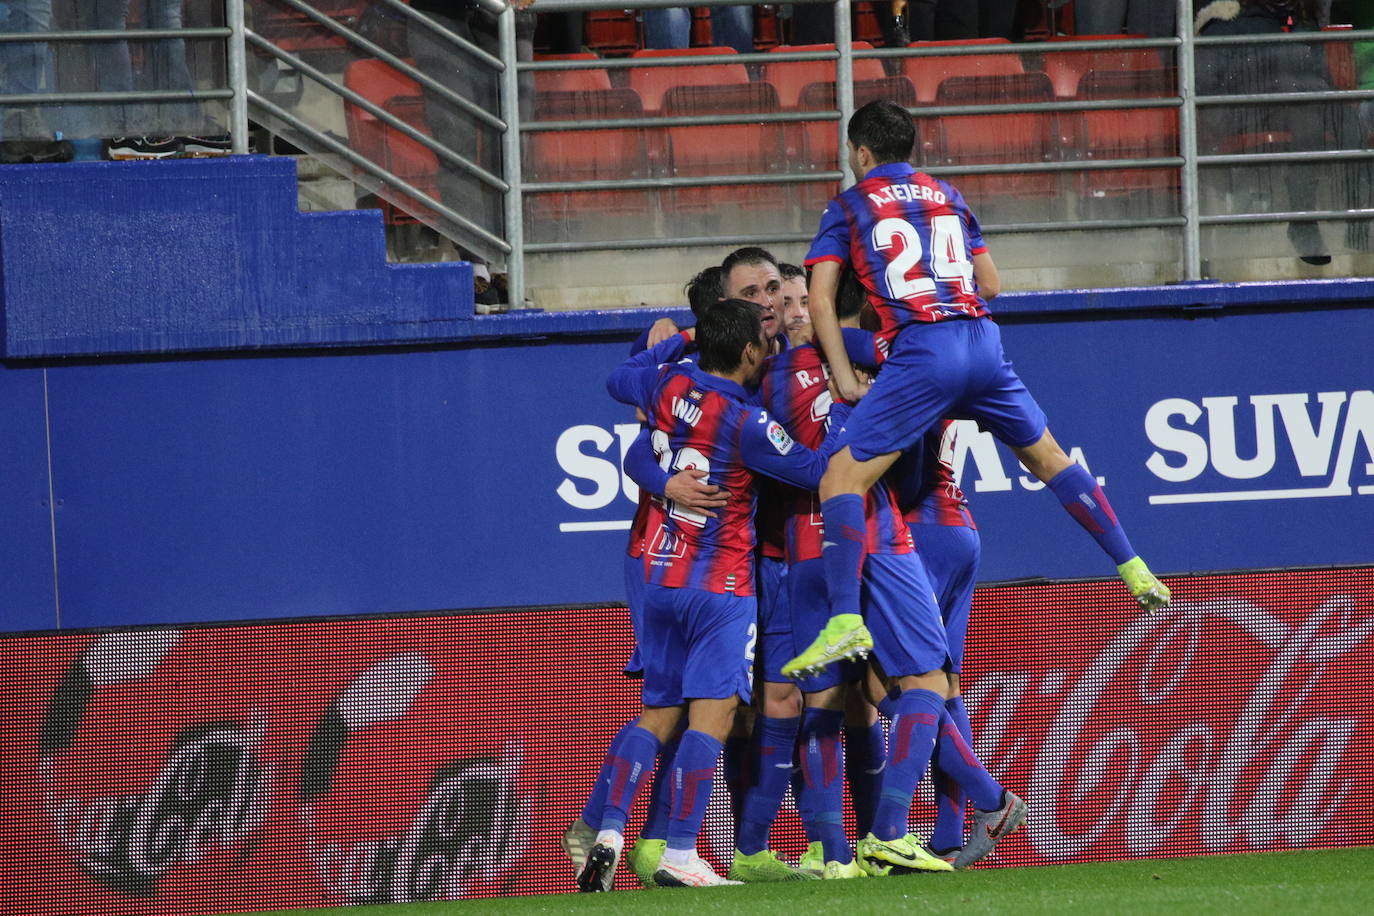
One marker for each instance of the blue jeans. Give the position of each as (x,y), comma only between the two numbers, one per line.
(731,26)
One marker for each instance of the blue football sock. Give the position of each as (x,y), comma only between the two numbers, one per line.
(843,550)
(596,802)
(693,777)
(660,793)
(865,756)
(774,742)
(958,760)
(627,766)
(1082,498)
(949,797)
(912,741)
(821,803)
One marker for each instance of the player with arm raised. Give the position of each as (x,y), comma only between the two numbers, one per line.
(919,251)
(698,614)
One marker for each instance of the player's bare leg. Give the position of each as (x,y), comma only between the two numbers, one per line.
(1082,498)
(842,491)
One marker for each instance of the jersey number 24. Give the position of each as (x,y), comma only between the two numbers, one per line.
(948,255)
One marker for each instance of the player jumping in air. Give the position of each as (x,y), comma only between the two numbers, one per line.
(919,252)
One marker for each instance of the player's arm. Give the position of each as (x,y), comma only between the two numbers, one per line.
(825,281)
(859,344)
(688,488)
(634,380)
(766,448)
(985,274)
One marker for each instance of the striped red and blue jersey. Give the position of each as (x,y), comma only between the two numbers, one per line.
(923,478)
(794,390)
(911,238)
(701,421)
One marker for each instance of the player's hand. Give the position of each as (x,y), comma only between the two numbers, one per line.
(690,490)
(839,392)
(661,330)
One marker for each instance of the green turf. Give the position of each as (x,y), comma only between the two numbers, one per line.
(1328,881)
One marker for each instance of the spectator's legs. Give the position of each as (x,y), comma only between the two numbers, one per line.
(1100,17)
(956,19)
(26,69)
(668,28)
(1152,18)
(733,27)
(166,70)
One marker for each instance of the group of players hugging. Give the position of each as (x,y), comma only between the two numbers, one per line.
(855,600)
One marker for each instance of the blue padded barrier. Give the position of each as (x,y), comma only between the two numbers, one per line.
(211,254)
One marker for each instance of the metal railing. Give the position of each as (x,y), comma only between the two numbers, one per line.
(507,241)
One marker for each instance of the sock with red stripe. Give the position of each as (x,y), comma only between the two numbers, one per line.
(629,760)
(914,727)
(693,777)
(596,802)
(949,797)
(843,550)
(1078,492)
(821,803)
(660,794)
(958,760)
(865,756)
(774,741)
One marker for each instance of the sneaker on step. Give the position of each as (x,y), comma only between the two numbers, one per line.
(122,148)
(577,841)
(644,858)
(904,854)
(695,873)
(844,637)
(762,867)
(200,147)
(989,827)
(598,873)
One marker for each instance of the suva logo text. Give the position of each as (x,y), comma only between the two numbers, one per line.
(1330,437)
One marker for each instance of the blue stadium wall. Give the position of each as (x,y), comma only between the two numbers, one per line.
(214,409)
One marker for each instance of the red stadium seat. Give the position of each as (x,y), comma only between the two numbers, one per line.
(652,83)
(612,33)
(927,73)
(296,32)
(399,95)
(978,139)
(866,26)
(605,154)
(700,36)
(820,148)
(791,77)
(1065,68)
(730,149)
(767,28)
(1136,133)
(1340,60)
(570,80)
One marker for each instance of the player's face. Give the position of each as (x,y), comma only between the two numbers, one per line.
(760,284)
(796,314)
(756,359)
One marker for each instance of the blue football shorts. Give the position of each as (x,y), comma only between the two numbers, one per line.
(952,368)
(950,554)
(900,610)
(775,623)
(696,645)
(634,600)
(810,610)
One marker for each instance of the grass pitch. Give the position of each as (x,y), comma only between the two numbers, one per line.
(1326,881)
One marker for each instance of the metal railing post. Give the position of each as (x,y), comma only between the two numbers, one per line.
(1187,141)
(844,82)
(510,160)
(238,77)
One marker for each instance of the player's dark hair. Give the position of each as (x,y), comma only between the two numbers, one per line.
(747,256)
(885,128)
(850,296)
(791,271)
(724,329)
(703,289)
